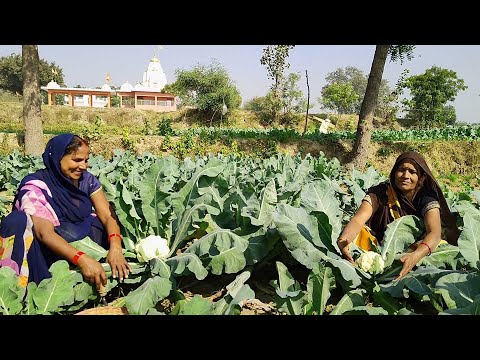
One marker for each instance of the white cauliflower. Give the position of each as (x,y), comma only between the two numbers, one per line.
(371,262)
(151,247)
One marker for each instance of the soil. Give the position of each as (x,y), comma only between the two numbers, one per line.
(213,288)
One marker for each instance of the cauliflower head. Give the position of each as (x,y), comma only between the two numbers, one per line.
(371,262)
(151,247)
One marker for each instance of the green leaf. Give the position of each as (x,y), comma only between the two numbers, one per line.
(299,232)
(289,296)
(223,250)
(472,309)
(399,235)
(350,300)
(195,306)
(320,282)
(443,255)
(385,301)
(147,295)
(459,290)
(237,292)
(181,199)
(90,247)
(319,196)
(260,213)
(366,310)
(157,185)
(56,291)
(469,240)
(186,222)
(187,263)
(11,294)
(260,244)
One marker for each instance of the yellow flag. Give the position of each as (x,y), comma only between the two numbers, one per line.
(107,77)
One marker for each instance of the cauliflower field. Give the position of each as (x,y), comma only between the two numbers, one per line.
(230,221)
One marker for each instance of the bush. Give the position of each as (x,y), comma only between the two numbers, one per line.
(164,128)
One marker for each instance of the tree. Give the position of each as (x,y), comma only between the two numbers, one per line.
(255,104)
(291,95)
(11,78)
(286,108)
(275,59)
(207,88)
(430,93)
(339,97)
(292,100)
(32,115)
(358,80)
(358,155)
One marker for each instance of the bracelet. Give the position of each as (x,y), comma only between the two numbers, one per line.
(76,257)
(112,235)
(340,238)
(429,249)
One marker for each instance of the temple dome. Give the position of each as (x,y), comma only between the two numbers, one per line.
(53,85)
(126,87)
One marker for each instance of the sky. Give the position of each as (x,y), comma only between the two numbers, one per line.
(87,65)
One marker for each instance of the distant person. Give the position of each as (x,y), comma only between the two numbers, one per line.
(55,206)
(411,190)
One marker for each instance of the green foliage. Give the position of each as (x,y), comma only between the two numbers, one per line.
(267,107)
(344,122)
(147,127)
(400,52)
(255,104)
(167,143)
(127,142)
(115,101)
(339,97)
(274,58)
(291,95)
(282,109)
(207,88)
(447,115)
(11,78)
(350,81)
(94,131)
(185,145)
(430,93)
(266,148)
(164,128)
(60,99)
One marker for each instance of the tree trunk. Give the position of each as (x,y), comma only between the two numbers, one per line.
(359,154)
(32,111)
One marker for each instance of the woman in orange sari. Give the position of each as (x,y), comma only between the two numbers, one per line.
(411,190)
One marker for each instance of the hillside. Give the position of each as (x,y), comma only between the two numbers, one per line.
(454,161)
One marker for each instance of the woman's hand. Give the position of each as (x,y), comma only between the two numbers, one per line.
(409,260)
(118,263)
(92,271)
(343,246)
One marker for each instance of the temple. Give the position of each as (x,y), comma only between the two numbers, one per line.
(146,95)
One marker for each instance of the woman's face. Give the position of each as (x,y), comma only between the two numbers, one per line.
(407,176)
(74,164)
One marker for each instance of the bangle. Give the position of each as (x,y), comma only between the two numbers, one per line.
(76,257)
(340,239)
(112,235)
(429,249)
